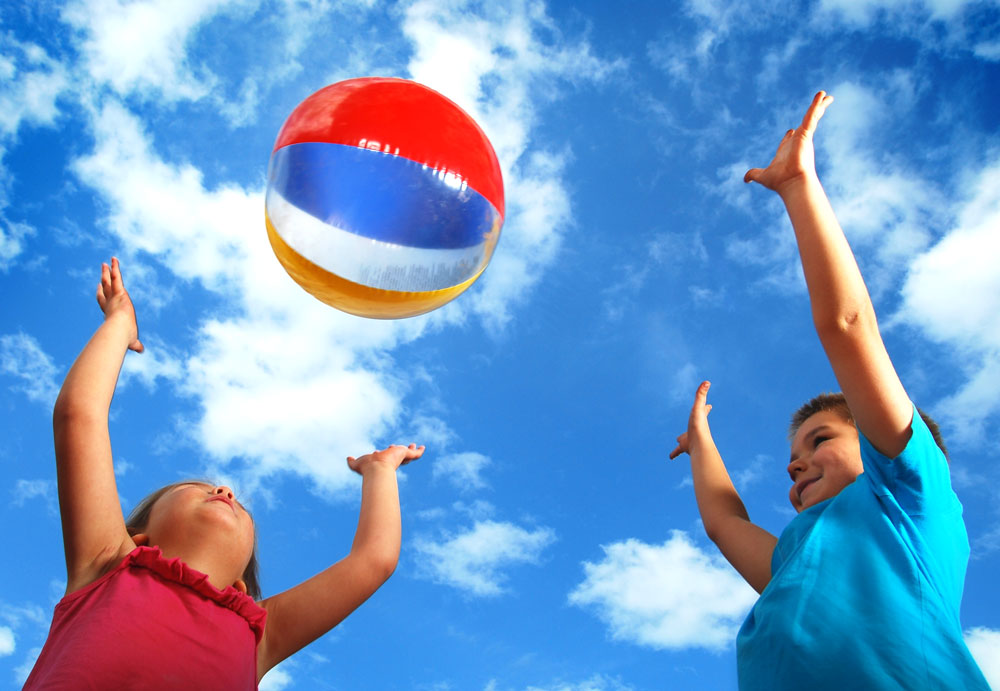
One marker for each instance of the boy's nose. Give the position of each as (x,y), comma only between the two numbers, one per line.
(796,465)
(222,489)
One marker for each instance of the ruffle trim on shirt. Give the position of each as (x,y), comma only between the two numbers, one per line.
(176,570)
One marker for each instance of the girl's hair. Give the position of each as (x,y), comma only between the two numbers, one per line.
(139,518)
(836,403)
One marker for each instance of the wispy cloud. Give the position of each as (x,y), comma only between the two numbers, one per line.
(463,470)
(22,357)
(475,560)
(598,682)
(26,490)
(669,596)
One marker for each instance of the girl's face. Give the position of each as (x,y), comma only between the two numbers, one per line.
(826,458)
(196,511)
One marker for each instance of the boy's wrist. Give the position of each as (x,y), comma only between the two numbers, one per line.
(794,188)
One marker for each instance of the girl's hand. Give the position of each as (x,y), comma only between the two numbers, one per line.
(392,456)
(697,422)
(795,158)
(115,302)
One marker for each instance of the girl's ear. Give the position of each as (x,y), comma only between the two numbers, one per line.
(140,539)
(240,585)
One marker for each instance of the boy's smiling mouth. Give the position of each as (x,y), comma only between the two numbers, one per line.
(803,484)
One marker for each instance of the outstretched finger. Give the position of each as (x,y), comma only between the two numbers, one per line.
(751,175)
(816,109)
(701,395)
(116,274)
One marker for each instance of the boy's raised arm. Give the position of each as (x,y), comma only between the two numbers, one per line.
(746,546)
(841,306)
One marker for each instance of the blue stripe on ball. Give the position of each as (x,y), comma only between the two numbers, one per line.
(381,196)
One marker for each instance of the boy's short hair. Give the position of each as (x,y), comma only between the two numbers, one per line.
(836,403)
(139,518)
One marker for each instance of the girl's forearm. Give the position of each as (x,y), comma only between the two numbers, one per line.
(379,525)
(90,384)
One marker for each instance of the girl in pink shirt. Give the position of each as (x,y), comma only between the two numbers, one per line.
(169,599)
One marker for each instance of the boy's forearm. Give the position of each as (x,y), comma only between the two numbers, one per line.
(837,292)
(713,488)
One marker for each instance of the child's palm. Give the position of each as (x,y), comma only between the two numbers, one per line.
(795,157)
(393,456)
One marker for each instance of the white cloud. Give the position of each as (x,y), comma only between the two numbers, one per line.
(23,358)
(12,237)
(287,397)
(141,47)
(154,363)
(952,293)
(463,470)
(164,209)
(7,641)
(984,644)
(669,596)
(30,83)
(880,203)
(474,560)
(277,678)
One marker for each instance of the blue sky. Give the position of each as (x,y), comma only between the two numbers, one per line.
(548,542)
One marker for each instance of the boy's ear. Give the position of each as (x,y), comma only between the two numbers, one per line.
(240,585)
(140,539)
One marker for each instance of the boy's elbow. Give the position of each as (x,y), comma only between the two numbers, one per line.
(850,321)
(712,530)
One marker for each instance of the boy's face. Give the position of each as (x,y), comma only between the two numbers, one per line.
(825,459)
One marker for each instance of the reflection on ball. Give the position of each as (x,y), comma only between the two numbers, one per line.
(384,198)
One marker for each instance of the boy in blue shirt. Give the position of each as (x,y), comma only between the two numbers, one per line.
(862,590)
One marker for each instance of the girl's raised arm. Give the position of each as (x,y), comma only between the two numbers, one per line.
(302,614)
(94,534)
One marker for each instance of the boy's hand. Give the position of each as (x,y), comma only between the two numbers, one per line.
(795,158)
(392,456)
(697,424)
(115,302)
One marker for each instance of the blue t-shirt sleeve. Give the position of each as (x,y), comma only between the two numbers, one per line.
(919,478)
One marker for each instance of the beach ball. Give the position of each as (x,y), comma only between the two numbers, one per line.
(384,198)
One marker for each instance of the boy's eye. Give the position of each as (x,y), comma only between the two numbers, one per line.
(819,440)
